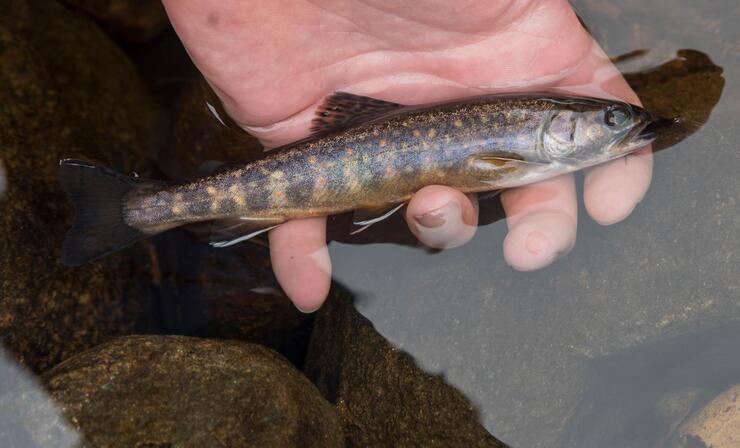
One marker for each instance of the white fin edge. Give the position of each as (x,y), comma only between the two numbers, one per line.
(214,112)
(241,238)
(368,222)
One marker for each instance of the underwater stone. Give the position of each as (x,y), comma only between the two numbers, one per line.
(190,392)
(128,20)
(382,396)
(716,425)
(199,136)
(67,91)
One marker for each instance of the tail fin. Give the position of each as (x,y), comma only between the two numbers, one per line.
(97,194)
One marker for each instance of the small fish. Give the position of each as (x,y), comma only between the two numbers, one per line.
(365,155)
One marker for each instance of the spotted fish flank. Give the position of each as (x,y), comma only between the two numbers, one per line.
(365,154)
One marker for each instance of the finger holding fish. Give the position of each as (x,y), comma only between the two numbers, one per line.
(441,217)
(300,260)
(542,217)
(542,221)
(612,190)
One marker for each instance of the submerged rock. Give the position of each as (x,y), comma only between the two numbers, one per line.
(204,136)
(382,396)
(127,20)
(67,91)
(188,392)
(29,417)
(716,425)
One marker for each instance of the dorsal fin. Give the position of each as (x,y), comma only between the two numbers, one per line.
(343,110)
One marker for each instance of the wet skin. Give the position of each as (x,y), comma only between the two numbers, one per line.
(411,55)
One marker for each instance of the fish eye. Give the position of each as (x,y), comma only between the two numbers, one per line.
(615,117)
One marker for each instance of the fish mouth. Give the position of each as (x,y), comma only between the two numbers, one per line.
(650,132)
(646,135)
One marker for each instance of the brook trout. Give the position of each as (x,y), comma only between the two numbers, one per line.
(366,155)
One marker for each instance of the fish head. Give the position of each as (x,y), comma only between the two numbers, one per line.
(585,131)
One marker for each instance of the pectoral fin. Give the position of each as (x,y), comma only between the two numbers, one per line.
(504,159)
(366,217)
(492,168)
(228,232)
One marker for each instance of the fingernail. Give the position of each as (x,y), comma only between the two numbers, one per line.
(437,217)
(444,227)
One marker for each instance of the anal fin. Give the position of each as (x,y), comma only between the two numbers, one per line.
(227,232)
(366,217)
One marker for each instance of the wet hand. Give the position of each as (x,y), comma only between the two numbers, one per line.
(272,63)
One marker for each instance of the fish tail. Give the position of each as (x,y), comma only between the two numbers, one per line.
(97,194)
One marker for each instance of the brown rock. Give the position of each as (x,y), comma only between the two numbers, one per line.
(187,392)
(716,425)
(382,396)
(67,91)
(199,137)
(127,20)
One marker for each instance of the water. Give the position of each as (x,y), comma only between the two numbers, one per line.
(585,352)
(616,344)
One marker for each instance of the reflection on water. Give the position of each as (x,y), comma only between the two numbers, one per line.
(29,417)
(621,341)
(641,396)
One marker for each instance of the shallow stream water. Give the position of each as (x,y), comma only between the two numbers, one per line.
(620,343)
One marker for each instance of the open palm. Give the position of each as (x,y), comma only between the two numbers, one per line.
(272,63)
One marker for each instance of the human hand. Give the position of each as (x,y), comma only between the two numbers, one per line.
(272,63)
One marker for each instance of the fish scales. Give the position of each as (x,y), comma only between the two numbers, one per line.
(369,166)
(480,144)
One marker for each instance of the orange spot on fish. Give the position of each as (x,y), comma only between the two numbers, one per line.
(279,194)
(388,171)
(382,142)
(431,133)
(322,180)
(312,160)
(458,123)
(348,151)
(417,133)
(346,172)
